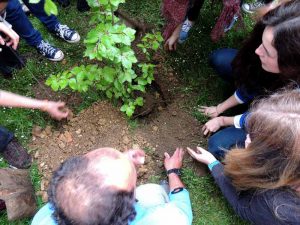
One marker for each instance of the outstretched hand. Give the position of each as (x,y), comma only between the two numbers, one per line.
(210,111)
(56,110)
(174,161)
(202,155)
(212,125)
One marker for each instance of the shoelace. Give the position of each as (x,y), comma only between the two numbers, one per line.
(64,30)
(186,26)
(46,48)
(256,5)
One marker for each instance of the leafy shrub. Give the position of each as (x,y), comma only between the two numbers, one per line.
(109,41)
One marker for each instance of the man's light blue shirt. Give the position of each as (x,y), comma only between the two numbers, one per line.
(176,212)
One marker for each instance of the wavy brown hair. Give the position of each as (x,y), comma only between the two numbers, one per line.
(247,69)
(272,159)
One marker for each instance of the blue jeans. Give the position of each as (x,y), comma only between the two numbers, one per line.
(21,24)
(226,139)
(5,137)
(220,60)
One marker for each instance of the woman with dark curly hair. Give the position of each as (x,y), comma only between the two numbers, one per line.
(262,181)
(268,60)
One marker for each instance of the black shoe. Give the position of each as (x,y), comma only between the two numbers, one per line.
(50,52)
(16,155)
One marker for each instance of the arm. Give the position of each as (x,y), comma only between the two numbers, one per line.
(54,109)
(12,37)
(248,206)
(215,124)
(181,200)
(214,111)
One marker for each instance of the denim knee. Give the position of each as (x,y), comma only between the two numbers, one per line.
(220,60)
(215,147)
(225,139)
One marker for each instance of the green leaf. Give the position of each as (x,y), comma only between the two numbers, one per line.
(80,77)
(108,94)
(155,45)
(54,85)
(109,74)
(73,83)
(123,108)
(93,3)
(139,88)
(91,76)
(50,8)
(63,83)
(130,110)
(118,85)
(139,101)
(142,81)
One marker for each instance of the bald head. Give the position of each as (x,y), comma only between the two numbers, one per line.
(97,187)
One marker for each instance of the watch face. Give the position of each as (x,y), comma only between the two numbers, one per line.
(176,171)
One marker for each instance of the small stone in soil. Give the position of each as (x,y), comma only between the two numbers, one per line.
(155,128)
(61,145)
(126,140)
(36,155)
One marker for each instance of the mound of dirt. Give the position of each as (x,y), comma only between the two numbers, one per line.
(104,125)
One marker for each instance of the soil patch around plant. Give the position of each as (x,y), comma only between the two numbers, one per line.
(103,125)
(164,123)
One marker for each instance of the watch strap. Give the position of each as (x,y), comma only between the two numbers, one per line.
(174,170)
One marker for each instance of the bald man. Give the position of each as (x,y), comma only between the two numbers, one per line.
(100,188)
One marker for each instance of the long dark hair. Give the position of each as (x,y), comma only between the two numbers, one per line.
(247,70)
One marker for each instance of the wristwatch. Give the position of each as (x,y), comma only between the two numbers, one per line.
(175,170)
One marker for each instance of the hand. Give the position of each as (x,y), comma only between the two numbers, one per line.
(171,43)
(211,111)
(174,161)
(212,125)
(56,110)
(12,37)
(137,156)
(201,155)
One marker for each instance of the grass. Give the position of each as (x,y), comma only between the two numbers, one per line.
(190,61)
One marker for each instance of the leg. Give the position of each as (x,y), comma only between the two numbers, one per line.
(20,23)
(52,23)
(226,139)
(5,137)
(38,11)
(194,9)
(192,14)
(150,195)
(221,60)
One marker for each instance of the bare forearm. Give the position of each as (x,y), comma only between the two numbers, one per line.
(227,104)
(174,181)
(8,99)
(227,121)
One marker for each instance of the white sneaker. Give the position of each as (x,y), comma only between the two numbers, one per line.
(252,7)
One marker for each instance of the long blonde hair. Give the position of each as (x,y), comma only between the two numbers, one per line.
(272,159)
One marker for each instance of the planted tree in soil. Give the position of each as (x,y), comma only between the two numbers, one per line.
(109,41)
